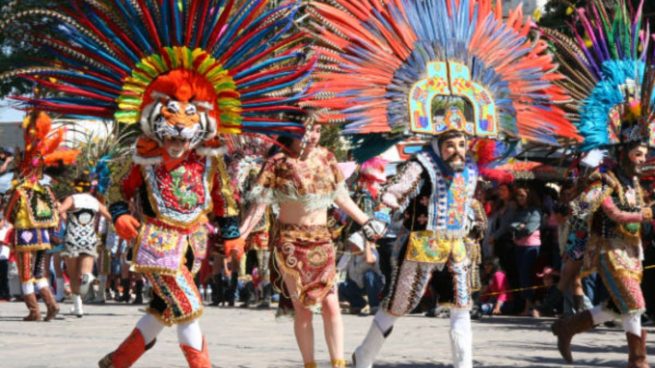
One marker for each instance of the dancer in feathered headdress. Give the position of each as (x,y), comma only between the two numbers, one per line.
(32,210)
(185,71)
(611,73)
(84,210)
(448,69)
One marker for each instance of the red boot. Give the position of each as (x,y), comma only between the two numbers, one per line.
(127,353)
(195,358)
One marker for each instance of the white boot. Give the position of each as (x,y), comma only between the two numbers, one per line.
(100,295)
(461,338)
(60,295)
(364,355)
(77,306)
(87,280)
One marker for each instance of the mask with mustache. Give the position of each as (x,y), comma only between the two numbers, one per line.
(456,166)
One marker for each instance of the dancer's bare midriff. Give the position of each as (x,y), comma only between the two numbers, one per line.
(294,212)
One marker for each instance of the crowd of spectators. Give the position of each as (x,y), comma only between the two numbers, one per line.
(520,262)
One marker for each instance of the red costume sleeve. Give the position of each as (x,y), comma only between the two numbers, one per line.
(622,217)
(131,183)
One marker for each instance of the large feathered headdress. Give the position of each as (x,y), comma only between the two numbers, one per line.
(110,54)
(389,61)
(611,74)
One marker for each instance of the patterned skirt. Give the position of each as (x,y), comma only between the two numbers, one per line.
(176,297)
(618,263)
(306,255)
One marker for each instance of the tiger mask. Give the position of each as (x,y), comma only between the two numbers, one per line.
(179,112)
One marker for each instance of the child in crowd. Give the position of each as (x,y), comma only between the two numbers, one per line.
(551,303)
(494,297)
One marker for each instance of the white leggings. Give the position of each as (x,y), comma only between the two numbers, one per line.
(187,333)
(631,322)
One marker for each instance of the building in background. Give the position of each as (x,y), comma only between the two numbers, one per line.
(11,134)
(529,6)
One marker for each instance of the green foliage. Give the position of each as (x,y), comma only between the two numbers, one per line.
(331,139)
(114,144)
(558,13)
(16,48)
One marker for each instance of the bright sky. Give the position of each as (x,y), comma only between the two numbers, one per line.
(7,114)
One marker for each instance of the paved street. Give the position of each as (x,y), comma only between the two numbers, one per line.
(253,338)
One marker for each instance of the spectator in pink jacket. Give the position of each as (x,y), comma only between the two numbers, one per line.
(494,297)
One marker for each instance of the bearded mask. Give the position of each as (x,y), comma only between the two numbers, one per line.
(452,148)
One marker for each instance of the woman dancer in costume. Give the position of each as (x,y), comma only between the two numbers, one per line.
(184,71)
(81,212)
(613,81)
(304,182)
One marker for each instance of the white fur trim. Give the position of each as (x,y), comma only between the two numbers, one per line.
(311,202)
(211,152)
(390,200)
(594,158)
(149,161)
(259,194)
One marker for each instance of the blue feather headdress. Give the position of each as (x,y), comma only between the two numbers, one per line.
(610,70)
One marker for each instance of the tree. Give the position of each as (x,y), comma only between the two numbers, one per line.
(16,48)
(559,12)
(331,139)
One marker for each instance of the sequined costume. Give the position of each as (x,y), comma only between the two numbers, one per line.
(614,250)
(613,109)
(477,226)
(424,67)
(305,254)
(32,210)
(33,213)
(433,203)
(183,72)
(259,238)
(172,243)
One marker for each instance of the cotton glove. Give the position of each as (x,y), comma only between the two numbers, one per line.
(374,229)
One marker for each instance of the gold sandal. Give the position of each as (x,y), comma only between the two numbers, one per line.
(338,363)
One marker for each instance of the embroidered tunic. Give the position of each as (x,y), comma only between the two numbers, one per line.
(431,200)
(175,203)
(614,249)
(33,214)
(434,204)
(315,182)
